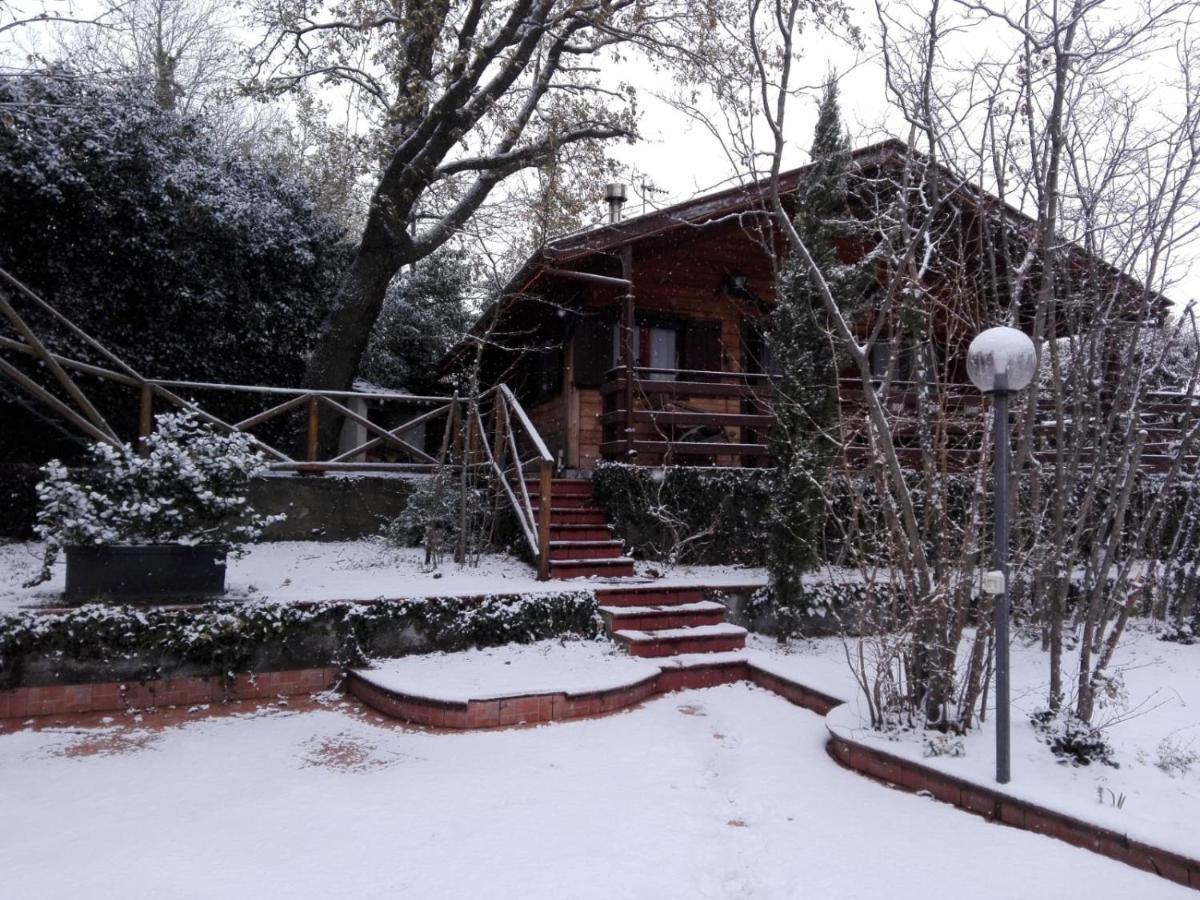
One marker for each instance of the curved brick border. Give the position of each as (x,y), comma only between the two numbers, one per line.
(1004,809)
(62,699)
(554,706)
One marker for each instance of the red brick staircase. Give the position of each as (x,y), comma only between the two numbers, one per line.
(657,621)
(581,540)
(647,620)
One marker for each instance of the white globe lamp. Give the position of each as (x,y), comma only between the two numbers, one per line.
(1001,359)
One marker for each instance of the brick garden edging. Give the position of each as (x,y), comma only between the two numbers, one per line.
(556,706)
(536,709)
(1007,810)
(63,699)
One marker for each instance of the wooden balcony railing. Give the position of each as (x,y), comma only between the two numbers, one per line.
(683,416)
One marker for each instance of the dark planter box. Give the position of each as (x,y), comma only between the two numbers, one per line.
(148,572)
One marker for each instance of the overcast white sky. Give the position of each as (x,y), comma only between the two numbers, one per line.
(681,157)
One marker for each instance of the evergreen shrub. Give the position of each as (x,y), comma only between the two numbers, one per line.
(104,643)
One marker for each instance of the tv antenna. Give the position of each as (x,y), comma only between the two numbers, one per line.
(645,188)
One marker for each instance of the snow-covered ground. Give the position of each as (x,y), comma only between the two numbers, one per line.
(356,570)
(1155,721)
(720,793)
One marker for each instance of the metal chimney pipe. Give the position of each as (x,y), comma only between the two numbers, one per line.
(614,196)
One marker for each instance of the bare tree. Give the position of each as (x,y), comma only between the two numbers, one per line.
(460,95)
(1029,103)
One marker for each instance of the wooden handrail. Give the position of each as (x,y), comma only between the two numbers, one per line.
(515,406)
(293,392)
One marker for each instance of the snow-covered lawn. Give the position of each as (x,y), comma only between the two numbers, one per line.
(356,570)
(725,792)
(1155,721)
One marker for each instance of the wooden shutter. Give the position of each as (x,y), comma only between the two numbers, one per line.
(593,350)
(702,345)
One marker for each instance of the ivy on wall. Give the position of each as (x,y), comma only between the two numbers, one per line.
(105,643)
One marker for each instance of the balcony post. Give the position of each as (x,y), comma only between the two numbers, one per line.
(628,323)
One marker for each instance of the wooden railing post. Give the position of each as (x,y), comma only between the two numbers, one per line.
(500,427)
(145,418)
(545,492)
(629,322)
(448,436)
(314,433)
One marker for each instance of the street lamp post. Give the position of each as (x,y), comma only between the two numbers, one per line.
(1001,361)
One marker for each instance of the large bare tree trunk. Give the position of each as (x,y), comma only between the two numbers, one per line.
(337,353)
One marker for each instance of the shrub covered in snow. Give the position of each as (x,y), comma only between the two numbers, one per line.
(433,518)
(190,487)
(103,643)
(688,514)
(184,257)
(1074,741)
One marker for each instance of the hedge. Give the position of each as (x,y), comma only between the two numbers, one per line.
(721,516)
(18,500)
(688,514)
(104,643)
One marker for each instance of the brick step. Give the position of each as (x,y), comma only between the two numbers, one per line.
(618,567)
(658,618)
(566,501)
(559,532)
(567,516)
(674,641)
(606,549)
(649,596)
(561,487)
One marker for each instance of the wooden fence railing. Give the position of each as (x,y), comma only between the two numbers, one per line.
(379,430)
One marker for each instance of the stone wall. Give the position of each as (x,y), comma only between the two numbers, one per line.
(335,507)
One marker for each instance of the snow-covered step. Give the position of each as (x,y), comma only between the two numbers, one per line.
(674,641)
(560,532)
(704,660)
(648,595)
(617,567)
(560,487)
(566,515)
(586,549)
(658,618)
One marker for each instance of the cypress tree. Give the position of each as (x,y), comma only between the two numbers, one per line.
(805,440)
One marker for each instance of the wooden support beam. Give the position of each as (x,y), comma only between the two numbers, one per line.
(628,323)
(313,444)
(57,405)
(47,358)
(145,419)
(545,498)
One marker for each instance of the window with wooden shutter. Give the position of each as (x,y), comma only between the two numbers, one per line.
(593,350)
(702,346)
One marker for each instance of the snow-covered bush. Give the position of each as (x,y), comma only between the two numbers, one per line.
(688,514)
(1074,741)
(1174,758)
(106,643)
(189,487)
(184,257)
(432,518)
(944,745)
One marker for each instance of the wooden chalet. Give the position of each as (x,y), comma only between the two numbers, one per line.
(688,382)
